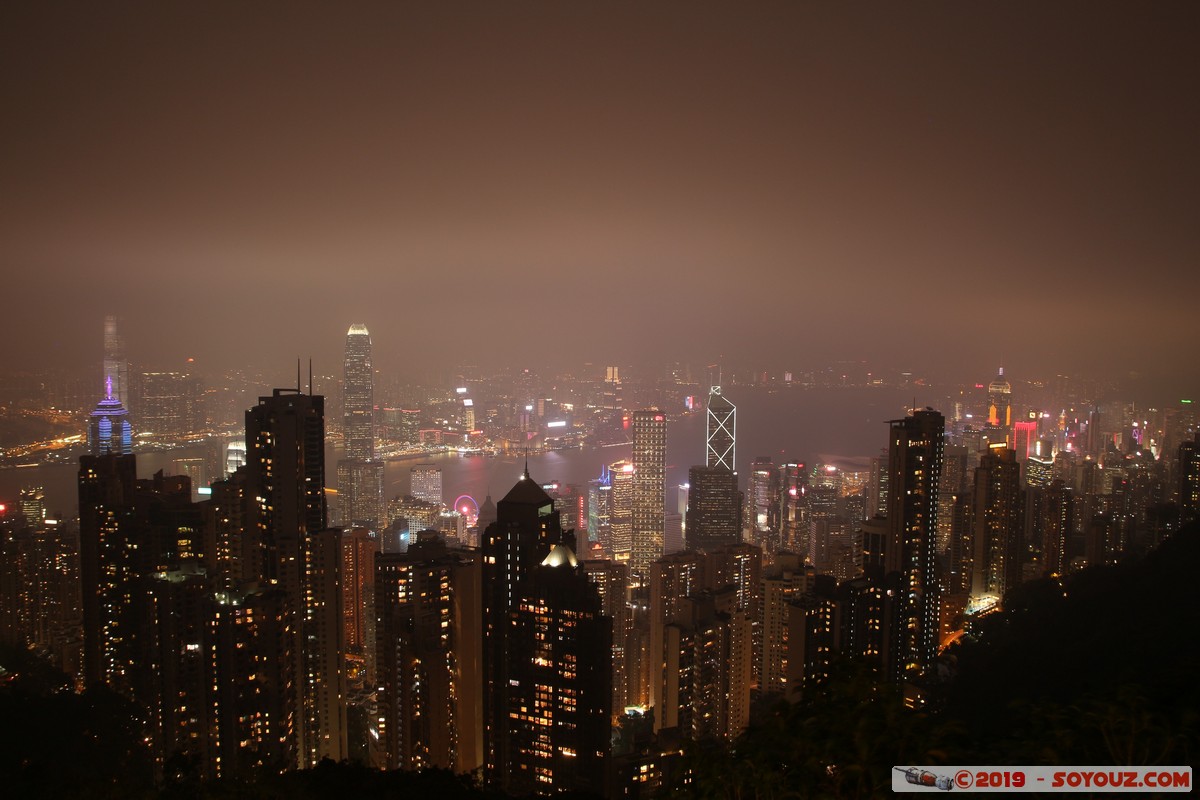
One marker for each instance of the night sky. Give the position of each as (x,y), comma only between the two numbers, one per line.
(943,186)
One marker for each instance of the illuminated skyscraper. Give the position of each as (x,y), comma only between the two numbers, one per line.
(116,367)
(235,456)
(109,431)
(1025,435)
(620,510)
(33,505)
(358,395)
(721,431)
(1000,407)
(360,476)
(793,512)
(649,488)
(599,509)
(914,475)
(762,505)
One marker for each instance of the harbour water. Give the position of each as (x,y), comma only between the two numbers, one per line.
(793,424)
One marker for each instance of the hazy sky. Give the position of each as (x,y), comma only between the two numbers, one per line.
(964,183)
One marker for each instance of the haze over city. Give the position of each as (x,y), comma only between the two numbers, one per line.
(933,186)
(603,401)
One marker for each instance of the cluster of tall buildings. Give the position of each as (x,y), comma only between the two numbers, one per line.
(165,405)
(252,634)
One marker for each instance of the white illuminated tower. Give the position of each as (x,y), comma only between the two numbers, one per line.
(359,398)
(360,476)
(721,431)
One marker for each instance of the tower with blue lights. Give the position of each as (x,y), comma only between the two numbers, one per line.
(109,431)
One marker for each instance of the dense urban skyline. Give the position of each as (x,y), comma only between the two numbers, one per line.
(765,184)
(700,399)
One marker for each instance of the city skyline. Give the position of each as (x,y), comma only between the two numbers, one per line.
(797,174)
(496,649)
(701,399)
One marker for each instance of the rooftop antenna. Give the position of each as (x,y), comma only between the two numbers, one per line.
(297,375)
(310,376)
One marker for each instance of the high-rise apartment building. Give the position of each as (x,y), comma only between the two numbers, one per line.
(649,488)
(547,654)
(285,471)
(673,578)
(428,652)
(720,431)
(359,547)
(324,699)
(707,667)
(784,582)
(1057,526)
(1189,481)
(998,523)
(612,581)
(811,637)
(109,563)
(914,475)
